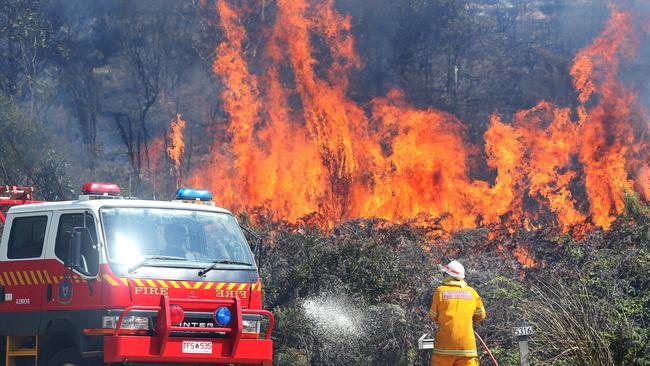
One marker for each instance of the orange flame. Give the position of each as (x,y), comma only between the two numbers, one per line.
(299,146)
(524,258)
(607,130)
(176,146)
(155,151)
(643,182)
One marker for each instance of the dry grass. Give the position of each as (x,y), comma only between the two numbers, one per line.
(571,326)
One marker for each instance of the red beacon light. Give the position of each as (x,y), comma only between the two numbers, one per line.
(105,190)
(176,314)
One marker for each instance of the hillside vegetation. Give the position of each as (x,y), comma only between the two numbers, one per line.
(360,294)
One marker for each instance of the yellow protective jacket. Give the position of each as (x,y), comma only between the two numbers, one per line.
(456,307)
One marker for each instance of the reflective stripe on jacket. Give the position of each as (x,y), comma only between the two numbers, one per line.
(456,307)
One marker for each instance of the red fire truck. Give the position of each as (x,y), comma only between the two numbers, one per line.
(111,280)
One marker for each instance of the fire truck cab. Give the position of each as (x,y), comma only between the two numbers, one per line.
(108,280)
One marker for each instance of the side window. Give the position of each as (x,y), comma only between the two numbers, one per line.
(84,222)
(27,237)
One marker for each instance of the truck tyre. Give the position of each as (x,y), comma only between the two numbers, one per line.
(66,357)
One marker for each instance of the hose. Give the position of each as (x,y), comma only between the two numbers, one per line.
(486,349)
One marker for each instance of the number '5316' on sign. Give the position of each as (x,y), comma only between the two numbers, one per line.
(523,331)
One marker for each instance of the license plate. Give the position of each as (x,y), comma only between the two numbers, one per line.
(197,347)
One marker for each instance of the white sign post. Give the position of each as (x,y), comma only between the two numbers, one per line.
(522,331)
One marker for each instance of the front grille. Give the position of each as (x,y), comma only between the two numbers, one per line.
(197,320)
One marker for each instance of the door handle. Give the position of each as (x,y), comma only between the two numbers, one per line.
(49,292)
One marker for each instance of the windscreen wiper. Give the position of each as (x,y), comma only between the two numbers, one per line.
(217,263)
(147,259)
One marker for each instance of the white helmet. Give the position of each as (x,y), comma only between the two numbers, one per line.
(454,269)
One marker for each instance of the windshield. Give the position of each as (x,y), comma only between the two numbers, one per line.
(184,236)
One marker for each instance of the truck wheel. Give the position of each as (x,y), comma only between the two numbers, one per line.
(66,357)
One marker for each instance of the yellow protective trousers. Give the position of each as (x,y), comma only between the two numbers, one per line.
(447,360)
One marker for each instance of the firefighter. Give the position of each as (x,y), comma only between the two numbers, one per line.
(455,308)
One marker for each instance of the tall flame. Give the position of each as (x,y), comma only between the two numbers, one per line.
(176,146)
(607,129)
(298,145)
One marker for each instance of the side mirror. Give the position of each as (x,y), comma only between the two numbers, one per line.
(257,249)
(74,251)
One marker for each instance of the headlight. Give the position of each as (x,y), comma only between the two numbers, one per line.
(130,322)
(250,326)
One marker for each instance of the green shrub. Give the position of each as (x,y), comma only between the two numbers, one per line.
(588,297)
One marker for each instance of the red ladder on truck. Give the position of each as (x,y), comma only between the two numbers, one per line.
(14,196)
(19,350)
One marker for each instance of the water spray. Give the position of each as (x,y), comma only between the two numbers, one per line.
(334,317)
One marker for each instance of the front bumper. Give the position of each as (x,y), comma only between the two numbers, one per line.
(166,347)
(142,349)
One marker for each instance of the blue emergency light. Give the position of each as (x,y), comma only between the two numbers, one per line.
(189,194)
(222,316)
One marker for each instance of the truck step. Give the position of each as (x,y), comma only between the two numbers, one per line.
(22,350)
